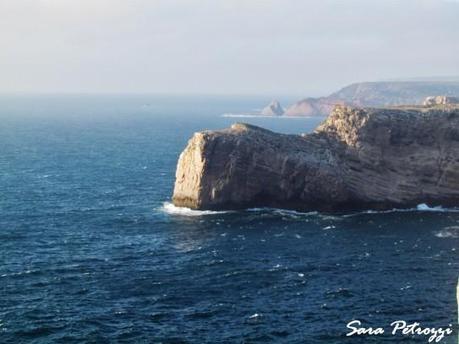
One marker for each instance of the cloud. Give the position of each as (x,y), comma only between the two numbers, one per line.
(271,46)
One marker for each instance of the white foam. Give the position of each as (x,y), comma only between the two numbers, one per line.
(425,207)
(280,211)
(255,115)
(19,273)
(419,208)
(329,227)
(239,115)
(171,209)
(448,232)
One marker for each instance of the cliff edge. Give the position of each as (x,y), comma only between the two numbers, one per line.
(358,158)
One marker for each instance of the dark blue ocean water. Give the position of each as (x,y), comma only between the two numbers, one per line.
(91,252)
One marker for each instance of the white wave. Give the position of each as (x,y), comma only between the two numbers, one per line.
(425,207)
(19,273)
(448,232)
(255,115)
(171,209)
(329,227)
(419,208)
(280,211)
(246,115)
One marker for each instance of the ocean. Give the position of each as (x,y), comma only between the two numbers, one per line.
(92,250)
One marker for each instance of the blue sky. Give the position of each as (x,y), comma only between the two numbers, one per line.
(278,47)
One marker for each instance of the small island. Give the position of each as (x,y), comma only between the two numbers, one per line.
(358,158)
(273,109)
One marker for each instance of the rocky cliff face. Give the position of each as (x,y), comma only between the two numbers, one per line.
(356,159)
(374,94)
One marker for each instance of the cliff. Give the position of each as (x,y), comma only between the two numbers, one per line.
(374,94)
(356,159)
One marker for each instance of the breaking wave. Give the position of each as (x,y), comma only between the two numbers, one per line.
(448,232)
(256,115)
(282,212)
(420,208)
(171,209)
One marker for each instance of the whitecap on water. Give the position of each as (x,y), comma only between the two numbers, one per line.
(420,207)
(425,207)
(255,316)
(329,227)
(244,115)
(283,212)
(171,209)
(448,232)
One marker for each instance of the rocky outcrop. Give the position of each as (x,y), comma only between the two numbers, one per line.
(356,159)
(312,107)
(440,100)
(273,109)
(374,94)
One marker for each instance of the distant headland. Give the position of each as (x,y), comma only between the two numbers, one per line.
(364,94)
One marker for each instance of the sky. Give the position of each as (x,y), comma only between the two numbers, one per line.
(276,47)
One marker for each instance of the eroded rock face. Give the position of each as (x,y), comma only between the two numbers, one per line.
(356,159)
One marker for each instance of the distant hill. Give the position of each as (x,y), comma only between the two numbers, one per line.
(375,94)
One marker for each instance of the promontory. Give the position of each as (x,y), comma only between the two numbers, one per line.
(358,158)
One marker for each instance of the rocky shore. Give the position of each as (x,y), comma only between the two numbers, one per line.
(358,158)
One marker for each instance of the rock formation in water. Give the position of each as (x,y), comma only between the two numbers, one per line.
(374,94)
(273,109)
(356,159)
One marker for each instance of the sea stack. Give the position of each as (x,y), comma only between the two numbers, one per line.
(273,109)
(358,158)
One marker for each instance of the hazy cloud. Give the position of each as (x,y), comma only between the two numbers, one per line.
(211,46)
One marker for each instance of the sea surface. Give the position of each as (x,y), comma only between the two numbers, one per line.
(92,251)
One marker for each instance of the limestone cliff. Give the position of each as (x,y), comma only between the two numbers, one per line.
(356,159)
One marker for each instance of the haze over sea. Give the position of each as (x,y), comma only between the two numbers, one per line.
(91,250)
